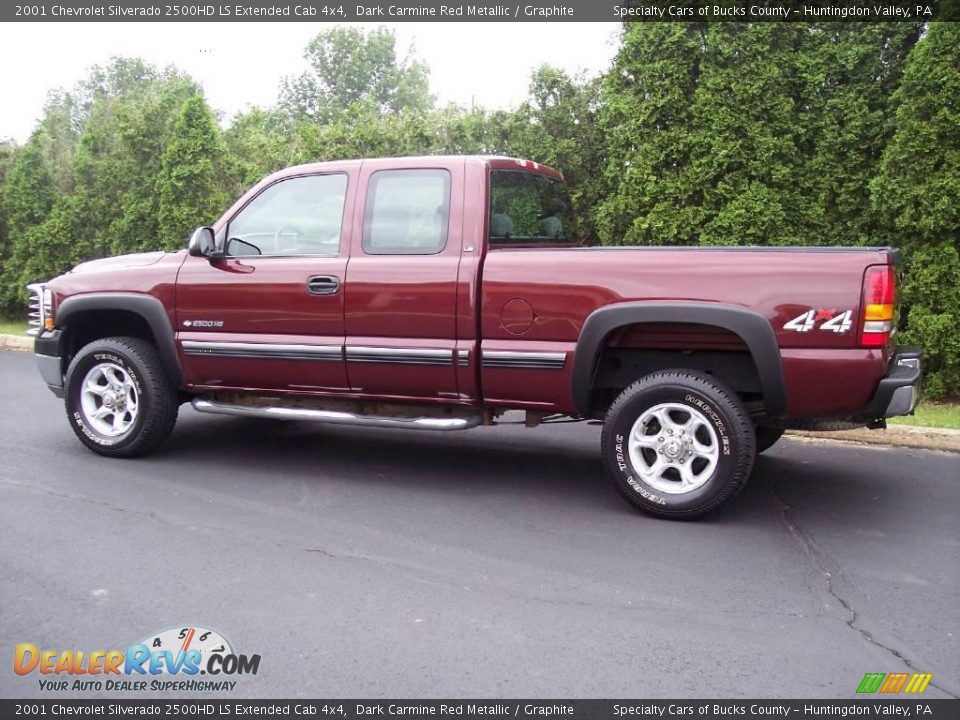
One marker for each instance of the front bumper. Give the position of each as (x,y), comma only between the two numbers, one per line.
(899,391)
(47,349)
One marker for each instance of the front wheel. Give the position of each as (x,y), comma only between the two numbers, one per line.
(118,400)
(678,444)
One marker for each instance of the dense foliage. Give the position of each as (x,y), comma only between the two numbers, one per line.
(727,133)
(917,196)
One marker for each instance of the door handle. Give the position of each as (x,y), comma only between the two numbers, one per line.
(323,285)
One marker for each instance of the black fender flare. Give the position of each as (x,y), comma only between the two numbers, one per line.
(147,307)
(752,327)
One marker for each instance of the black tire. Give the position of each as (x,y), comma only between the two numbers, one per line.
(723,414)
(767,437)
(157,402)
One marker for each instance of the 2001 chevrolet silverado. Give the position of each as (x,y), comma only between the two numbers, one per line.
(440,292)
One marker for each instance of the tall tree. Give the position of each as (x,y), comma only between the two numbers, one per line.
(751,123)
(29,193)
(707,126)
(646,117)
(558,126)
(349,67)
(754,133)
(124,114)
(258,141)
(47,249)
(191,183)
(29,190)
(61,122)
(916,196)
(854,70)
(8,153)
(119,157)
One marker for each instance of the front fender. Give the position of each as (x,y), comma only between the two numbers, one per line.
(147,307)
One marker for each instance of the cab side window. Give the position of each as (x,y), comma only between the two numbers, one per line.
(407,212)
(297,216)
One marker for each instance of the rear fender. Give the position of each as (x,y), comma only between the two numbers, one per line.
(752,327)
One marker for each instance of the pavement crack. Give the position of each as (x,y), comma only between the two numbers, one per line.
(321,551)
(818,556)
(431,578)
(407,570)
(84,499)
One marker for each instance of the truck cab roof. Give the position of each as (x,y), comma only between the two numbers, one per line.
(500,162)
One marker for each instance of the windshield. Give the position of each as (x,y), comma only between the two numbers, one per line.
(528,208)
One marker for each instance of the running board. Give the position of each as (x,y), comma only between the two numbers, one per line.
(338,417)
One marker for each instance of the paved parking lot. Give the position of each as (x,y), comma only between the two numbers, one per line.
(496,562)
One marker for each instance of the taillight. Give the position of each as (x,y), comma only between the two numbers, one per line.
(878,285)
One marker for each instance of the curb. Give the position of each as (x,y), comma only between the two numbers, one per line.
(907,436)
(16,342)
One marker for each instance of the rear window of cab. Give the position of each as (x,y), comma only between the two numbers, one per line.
(529,208)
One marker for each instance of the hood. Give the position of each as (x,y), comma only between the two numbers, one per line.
(120,262)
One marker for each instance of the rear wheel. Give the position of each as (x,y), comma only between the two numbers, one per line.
(767,437)
(678,444)
(118,399)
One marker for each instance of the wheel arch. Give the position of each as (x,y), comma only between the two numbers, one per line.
(751,327)
(146,308)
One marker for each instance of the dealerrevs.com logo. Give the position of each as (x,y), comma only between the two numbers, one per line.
(172,660)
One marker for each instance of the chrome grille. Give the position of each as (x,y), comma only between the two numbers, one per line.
(35,309)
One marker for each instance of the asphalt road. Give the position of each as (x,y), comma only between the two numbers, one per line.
(497,562)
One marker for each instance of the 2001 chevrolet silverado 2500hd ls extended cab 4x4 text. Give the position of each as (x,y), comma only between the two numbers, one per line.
(439,292)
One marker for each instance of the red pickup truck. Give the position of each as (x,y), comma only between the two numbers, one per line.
(440,292)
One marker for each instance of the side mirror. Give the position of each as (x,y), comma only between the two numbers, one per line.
(202,243)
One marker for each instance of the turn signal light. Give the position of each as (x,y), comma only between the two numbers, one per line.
(878,311)
(47,310)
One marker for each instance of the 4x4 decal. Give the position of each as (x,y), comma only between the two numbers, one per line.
(832,322)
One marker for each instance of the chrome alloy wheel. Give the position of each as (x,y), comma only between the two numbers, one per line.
(109,399)
(673,448)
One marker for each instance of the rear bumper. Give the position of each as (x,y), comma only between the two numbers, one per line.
(899,390)
(47,350)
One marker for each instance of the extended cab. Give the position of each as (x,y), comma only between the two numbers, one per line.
(440,292)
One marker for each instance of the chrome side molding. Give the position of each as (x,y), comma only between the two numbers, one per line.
(399,356)
(268,351)
(523,359)
(338,417)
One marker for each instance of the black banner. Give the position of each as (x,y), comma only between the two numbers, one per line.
(482,11)
(484,709)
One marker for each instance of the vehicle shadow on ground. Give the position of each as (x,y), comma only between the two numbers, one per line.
(492,458)
(555,465)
